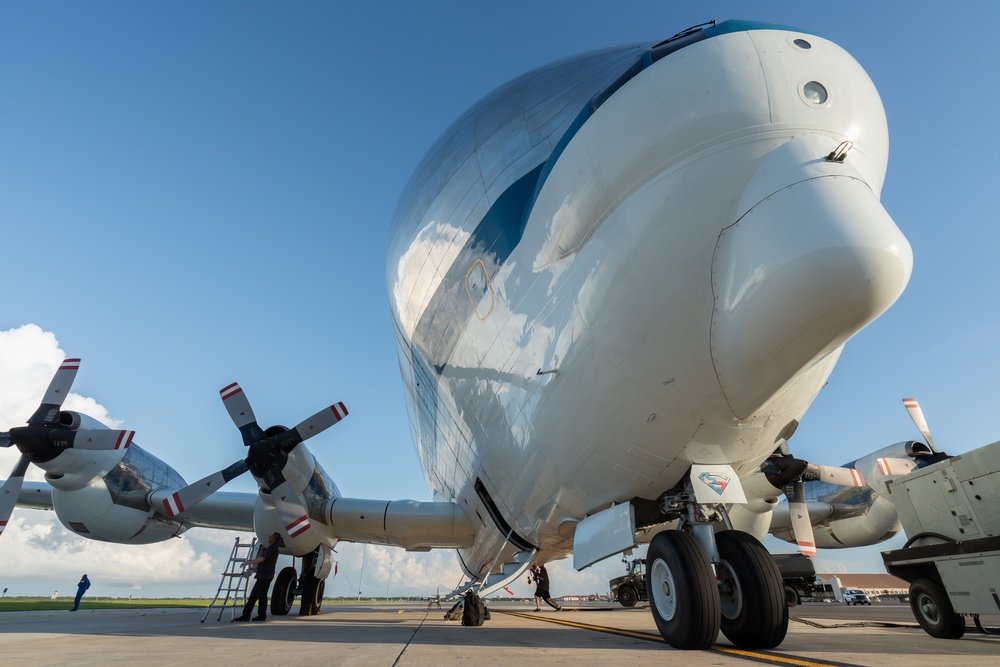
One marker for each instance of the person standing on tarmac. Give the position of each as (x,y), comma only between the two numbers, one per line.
(81,588)
(266,564)
(541,577)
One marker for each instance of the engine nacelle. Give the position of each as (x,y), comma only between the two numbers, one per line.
(92,512)
(877,524)
(266,521)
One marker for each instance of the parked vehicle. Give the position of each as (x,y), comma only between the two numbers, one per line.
(952,555)
(798,575)
(631,588)
(856,597)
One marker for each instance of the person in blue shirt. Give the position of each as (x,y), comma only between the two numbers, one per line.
(81,588)
(266,564)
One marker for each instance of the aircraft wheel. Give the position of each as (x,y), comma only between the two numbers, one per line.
(627,596)
(751,592)
(283,594)
(933,611)
(682,592)
(791,596)
(312,596)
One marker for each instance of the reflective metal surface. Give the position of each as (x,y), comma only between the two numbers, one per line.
(554,273)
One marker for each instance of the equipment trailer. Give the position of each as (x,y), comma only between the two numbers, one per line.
(950,511)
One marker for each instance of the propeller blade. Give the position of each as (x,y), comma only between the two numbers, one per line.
(5,440)
(48,410)
(192,494)
(917,415)
(11,489)
(801,523)
(892,466)
(101,439)
(314,425)
(321,421)
(238,406)
(836,475)
(291,513)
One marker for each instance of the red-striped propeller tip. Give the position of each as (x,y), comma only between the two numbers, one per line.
(231,390)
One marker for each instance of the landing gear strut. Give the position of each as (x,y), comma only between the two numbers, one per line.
(700,581)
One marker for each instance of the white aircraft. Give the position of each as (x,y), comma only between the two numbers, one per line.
(836,516)
(617,284)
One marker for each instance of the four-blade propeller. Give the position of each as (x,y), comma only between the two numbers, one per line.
(788,473)
(267,454)
(885,467)
(49,433)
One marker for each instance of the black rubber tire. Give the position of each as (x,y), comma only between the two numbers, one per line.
(283,595)
(933,611)
(791,597)
(683,596)
(751,592)
(627,596)
(312,596)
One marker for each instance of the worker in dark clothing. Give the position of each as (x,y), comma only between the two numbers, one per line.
(81,588)
(266,564)
(541,577)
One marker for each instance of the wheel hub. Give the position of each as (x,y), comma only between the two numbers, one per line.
(930,610)
(730,592)
(662,589)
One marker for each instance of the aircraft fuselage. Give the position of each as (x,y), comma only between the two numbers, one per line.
(634,260)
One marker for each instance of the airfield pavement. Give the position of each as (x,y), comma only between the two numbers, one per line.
(409,633)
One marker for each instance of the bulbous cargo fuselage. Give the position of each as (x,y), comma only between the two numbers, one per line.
(632,260)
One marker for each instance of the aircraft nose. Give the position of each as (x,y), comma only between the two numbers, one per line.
(799,274)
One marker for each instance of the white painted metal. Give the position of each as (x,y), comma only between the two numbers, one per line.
(693,211)
(716,483)
(604,534)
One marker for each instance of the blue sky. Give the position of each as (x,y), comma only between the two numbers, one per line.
(197,193)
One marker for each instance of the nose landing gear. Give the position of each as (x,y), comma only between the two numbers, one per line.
(692,595)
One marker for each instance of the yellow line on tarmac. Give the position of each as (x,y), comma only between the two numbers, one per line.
(757,656)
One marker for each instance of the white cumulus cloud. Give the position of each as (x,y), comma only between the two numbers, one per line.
(38,554)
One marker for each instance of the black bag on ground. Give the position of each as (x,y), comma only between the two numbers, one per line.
(474,612)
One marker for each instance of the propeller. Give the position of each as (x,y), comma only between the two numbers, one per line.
(788,473)
(267,454)
(12,487)
(798,512)
(917,415)
(49,433)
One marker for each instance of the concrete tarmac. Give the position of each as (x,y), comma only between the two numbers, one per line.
(410,634)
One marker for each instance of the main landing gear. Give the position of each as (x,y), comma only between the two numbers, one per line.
(309,587)
(693,595)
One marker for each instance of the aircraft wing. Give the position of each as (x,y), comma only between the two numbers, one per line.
(36,495)
(223,510)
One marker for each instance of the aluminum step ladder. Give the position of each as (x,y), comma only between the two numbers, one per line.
(235,581)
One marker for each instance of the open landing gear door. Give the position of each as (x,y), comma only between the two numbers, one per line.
(604,534)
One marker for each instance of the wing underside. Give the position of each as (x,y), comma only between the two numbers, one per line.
(223,510)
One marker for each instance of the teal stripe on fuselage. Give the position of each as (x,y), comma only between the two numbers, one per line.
(648,57)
